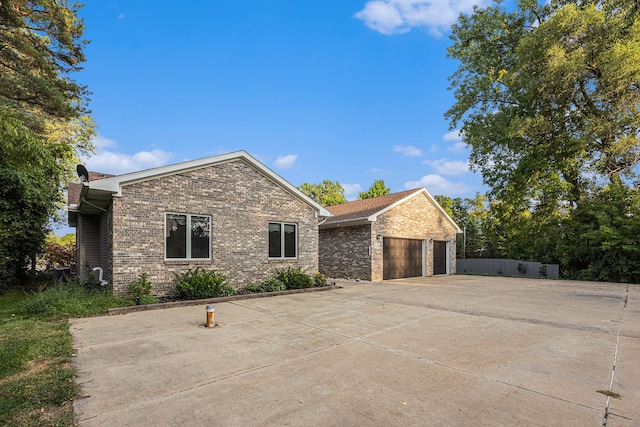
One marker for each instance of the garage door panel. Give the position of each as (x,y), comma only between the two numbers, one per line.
(401,258)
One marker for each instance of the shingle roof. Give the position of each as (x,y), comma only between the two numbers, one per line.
(74,188)
(361,209)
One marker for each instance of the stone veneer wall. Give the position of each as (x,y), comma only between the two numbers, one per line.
(416,218)
(344,252)
(241,202)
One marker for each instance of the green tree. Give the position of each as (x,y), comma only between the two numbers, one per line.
(59,252)
(547,98)
(601,240)
(470,215)
(29,193)
(41,46)
(377,189)
(327,193)
(44,122)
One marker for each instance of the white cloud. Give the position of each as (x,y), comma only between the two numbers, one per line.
(399,16)
(408,150)
(113,162)
(382,16)
(100,142)
(454,135)
(286,162)
(122,16)
(448,167)
(458,147)
(351,191)
(436,184)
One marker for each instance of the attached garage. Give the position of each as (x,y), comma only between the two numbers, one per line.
(393,236)
(402,258)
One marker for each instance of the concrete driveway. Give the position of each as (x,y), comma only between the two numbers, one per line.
(441,351)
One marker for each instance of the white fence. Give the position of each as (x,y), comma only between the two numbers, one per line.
(508,267)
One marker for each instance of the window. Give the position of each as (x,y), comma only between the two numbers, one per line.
(283,240)
(187,236)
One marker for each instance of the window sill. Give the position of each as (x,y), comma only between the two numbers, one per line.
(187,261)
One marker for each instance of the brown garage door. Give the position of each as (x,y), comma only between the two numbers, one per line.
(402,258)
(439,257)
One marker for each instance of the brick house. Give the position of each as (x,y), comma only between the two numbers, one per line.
(404,234)
(227,212)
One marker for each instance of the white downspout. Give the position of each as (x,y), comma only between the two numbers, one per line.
(100,279)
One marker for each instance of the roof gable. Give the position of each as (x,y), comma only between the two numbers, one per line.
(368,210)
(114,184)
(360,209)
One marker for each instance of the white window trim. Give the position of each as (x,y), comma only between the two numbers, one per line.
(188,242)
(282,243)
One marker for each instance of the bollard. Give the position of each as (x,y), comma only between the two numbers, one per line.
(211,311)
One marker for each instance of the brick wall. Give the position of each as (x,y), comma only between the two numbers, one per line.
(241,202)
(344,252)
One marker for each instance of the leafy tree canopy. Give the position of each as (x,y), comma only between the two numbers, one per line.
(601,241)
(547,96)
(41,46)
(29,193)
(377,189)
(44,122)
(327,193)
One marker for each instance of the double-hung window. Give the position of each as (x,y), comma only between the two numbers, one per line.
(283,240)
(187,236)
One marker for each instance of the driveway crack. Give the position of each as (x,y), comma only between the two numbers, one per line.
(615,361)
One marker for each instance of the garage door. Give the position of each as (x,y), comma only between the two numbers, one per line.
(439,257)
(402,258)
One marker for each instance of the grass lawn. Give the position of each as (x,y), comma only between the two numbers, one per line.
(36,377)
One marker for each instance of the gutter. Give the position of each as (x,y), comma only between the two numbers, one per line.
(355,221)
(84,200)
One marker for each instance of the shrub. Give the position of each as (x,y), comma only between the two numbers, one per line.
(319,280)
(200,283)
(522,268)
(271,285)
(543,271)
(294,278)
(148,299)
(140,288)
(250,289)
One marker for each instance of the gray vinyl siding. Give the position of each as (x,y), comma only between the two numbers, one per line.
(88,243)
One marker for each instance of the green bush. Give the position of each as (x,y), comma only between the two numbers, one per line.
(294,278)
(319,280)
(250,289)
(148,299)
(140,288)
(200,283)
(71,299)
(271,285)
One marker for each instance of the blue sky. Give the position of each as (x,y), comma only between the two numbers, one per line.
(350,91)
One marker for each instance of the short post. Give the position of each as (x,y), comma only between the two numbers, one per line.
(211,311)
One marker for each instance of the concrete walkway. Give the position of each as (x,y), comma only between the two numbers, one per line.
(442,351)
